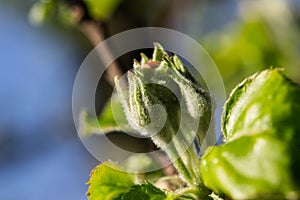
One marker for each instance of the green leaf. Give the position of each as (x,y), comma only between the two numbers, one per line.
(108,182)
(144,165)
(113,116)
(145,191)
(251,167)
(107,121)
(268,101)
(101,9)
(261,125)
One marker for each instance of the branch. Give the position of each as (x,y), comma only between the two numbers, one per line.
(95,34)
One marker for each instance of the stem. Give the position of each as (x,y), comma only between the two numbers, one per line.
(179,164)
(194,163)
(190,190)
(190,157)
(93,32)
(168,178)
(185,159)
(193,192)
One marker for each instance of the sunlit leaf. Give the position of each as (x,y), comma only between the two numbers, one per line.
(108,182)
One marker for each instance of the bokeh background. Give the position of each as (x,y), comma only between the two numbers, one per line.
(42,45)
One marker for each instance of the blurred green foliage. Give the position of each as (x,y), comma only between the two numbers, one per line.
(253,42)
(260,36)
(60,12)
(49,11)
(101,9)
(112,118)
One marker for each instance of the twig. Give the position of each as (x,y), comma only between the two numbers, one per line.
(93,31)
